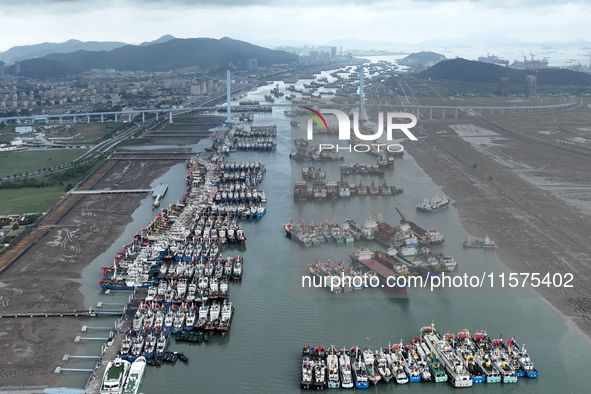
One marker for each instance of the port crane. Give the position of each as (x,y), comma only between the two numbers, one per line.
(378,216)
(403,218)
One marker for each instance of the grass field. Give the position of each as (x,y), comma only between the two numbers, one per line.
(29,200)
(28,161)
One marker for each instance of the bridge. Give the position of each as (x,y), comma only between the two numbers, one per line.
(443,111)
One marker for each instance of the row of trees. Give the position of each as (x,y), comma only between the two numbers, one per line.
(53,179)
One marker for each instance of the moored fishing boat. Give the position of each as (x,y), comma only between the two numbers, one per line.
(345,369)
(454,366)
(358,368)
(372,373)
(135,376)
(307,372)
(332,363)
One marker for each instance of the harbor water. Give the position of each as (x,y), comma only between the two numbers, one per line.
(274,317)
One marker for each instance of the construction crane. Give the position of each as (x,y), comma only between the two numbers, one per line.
(403,220)
(378,216)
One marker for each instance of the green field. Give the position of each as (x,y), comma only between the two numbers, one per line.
(29,161)
(28,200)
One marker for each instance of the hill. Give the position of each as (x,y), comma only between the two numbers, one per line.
(421,58)
(39,50)
(170,55)
(473,71)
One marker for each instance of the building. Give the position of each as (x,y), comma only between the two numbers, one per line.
(23,129)
(17,67)
(1,69)
(253,64)
(195,90)
(530,86)
(504,87)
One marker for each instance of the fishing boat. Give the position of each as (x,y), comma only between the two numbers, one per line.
(307,372)
(358,369)
(381,363)
(525,361)
(114,376)
(332,363)
(372,372)
(134,379)
(225,317)
(397,364)
(454,366)
(434,204)
(319,368)
(487,243)
(428,357)
(345,369)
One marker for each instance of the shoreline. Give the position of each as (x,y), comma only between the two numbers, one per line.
(63,246)
(435,160)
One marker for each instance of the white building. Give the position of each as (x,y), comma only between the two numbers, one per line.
(23,129)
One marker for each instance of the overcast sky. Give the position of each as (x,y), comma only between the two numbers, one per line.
(26,22)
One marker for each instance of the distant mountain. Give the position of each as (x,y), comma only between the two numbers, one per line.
(39,50)
(164,38)
(171,55)
(471,71)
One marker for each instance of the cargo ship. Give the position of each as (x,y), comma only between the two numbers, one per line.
(386,275)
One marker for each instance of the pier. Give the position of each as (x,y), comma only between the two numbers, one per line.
(88,313)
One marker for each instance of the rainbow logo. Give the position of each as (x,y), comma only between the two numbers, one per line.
(316,118)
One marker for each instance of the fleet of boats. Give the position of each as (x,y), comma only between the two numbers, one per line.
(461,359)
(178,258)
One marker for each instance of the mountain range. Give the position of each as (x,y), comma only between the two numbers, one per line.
(172,54)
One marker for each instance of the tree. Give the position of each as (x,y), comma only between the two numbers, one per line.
(69,187)
(15,226)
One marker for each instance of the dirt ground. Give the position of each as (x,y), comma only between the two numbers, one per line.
(44,268)
(490,182)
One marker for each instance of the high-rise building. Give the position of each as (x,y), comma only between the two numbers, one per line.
(504,87)
(530,86)
(333,51)
(17,67)
(1,69)
(253,64)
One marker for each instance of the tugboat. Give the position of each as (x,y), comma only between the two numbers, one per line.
(358,369)
(332,362)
